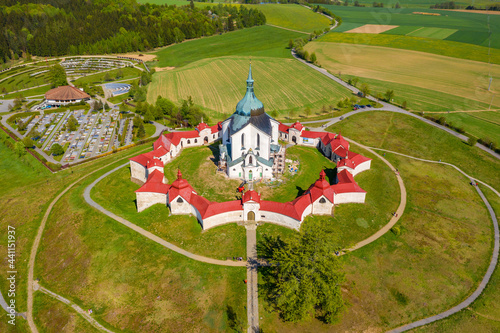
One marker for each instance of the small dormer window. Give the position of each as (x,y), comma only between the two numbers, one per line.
(179,200)
(322,200)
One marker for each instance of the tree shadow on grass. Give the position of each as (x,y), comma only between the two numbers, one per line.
(214,147)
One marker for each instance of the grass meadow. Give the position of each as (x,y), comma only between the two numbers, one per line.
(440,255)
(266,42)
(39,91)
(24,81)
(482,315)
(128,73)
(132,284)
(427,71)
(480,124)
(418,98)
(54,316)
(407,135)
(218,84)
(447,48)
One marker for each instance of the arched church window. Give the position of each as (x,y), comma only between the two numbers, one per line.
(189,142)
(243,140)
(322,200)
(258,140)
(250,160)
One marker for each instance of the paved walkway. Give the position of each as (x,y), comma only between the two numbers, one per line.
(75,307)
(150,235)
(252,279)
(3,303)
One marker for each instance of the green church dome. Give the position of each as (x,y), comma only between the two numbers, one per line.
(250,105)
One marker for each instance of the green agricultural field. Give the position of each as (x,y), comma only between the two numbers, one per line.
(289,16)
(411,136)
(440,256)
(266,41)
(482,315)
(401,30)
(440,47)
(480,125)
(437,33)
(293,17)
(473,22)
(218,85)
(427,71)
(184,231)
(128,73)
(420,99)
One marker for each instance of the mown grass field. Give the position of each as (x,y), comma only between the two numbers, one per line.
(466,23)
(28,93)
(266,42)
(420,99)
(483,314)
(440,47)
(218,85)
(427,71)
(132,284)
(24,81)
(410,136)
(441,254)
(480,124)
(437,33)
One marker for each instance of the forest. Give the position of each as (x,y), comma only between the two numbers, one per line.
(62,27)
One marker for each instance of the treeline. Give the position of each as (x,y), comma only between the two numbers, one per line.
(445,5)
(60,27)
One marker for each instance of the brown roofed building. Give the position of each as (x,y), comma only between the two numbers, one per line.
(65,95)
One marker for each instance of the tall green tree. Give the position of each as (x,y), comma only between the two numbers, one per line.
(72,124)
(57,76)
(305,275)
(365,89)
(56,149)
(389,95)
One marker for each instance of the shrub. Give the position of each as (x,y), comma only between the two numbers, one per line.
(472,141)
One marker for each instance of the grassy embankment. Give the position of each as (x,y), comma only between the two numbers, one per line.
(445,242)
(127,73)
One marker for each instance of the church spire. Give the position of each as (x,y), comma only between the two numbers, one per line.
(250,79)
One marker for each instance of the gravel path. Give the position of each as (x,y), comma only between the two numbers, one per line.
(252,279)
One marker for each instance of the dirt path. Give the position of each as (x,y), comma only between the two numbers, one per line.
(252,279)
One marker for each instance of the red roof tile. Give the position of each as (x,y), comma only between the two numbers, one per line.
(154,183)
(346,183)
(201,127)
(283,128)
(251,195)
(321,188)
(297,125)
(313,135)
(216,128)
(180,187)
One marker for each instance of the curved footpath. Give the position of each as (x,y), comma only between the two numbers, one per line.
(491,268)
(36,244)
(385,107)
(148,234)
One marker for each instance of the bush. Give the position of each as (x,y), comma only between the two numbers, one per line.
(472,141)
(396,231)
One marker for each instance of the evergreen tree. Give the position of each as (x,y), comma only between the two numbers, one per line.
(57,76)
(141,132)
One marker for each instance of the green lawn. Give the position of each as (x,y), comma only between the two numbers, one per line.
(133,284)
(477,124)
(218,84)
(266,42)
(24,81)
(420,99)
(407,135)
(440,256)
(483,314)
(441,47)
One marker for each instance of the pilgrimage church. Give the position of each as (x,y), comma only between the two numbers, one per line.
(249,150)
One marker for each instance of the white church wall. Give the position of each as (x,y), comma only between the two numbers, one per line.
(352,197)
(179,208)
(362,167)
(148,199)
(322,208)
(138,172)
(223,218)
(280,219)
